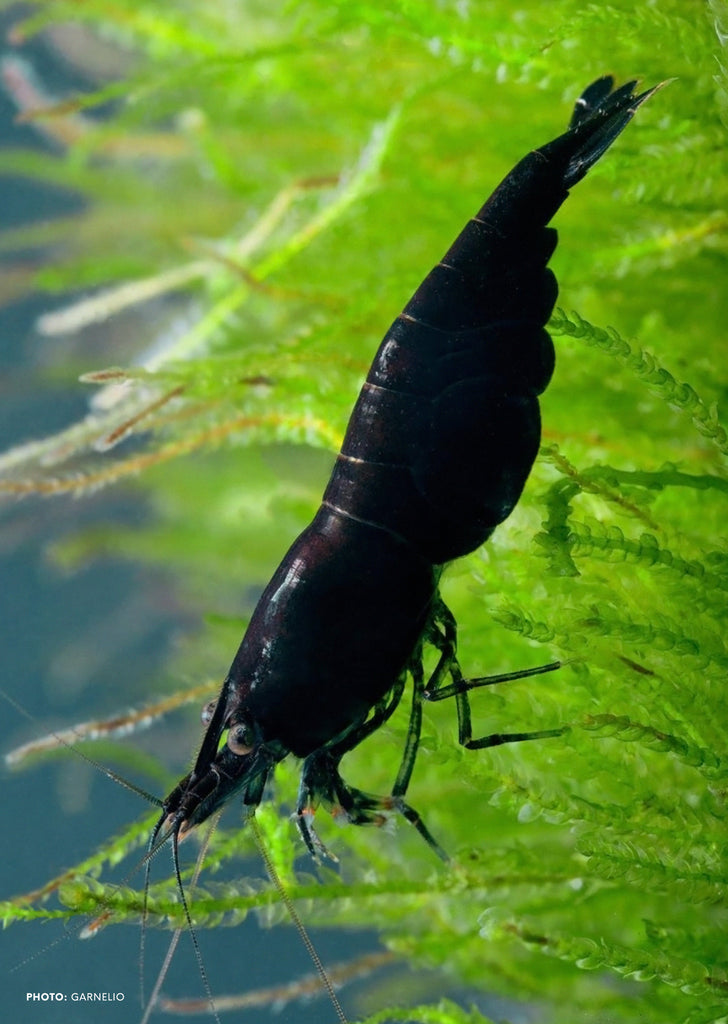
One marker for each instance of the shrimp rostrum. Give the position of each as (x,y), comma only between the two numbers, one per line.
(437,451)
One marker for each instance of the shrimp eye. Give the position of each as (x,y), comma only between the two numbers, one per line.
(208,710)
(240,738)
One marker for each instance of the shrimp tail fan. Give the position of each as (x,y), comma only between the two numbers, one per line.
(530,195)
(600,114)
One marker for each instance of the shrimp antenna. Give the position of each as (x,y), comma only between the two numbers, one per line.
(295,917)
(178,931)
(108,772)
(153,847)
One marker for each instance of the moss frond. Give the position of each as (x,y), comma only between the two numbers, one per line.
(678,394)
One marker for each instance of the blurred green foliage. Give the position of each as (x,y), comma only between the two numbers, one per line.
(289,173)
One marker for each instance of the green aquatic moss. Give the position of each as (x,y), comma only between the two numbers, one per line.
(289,172)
